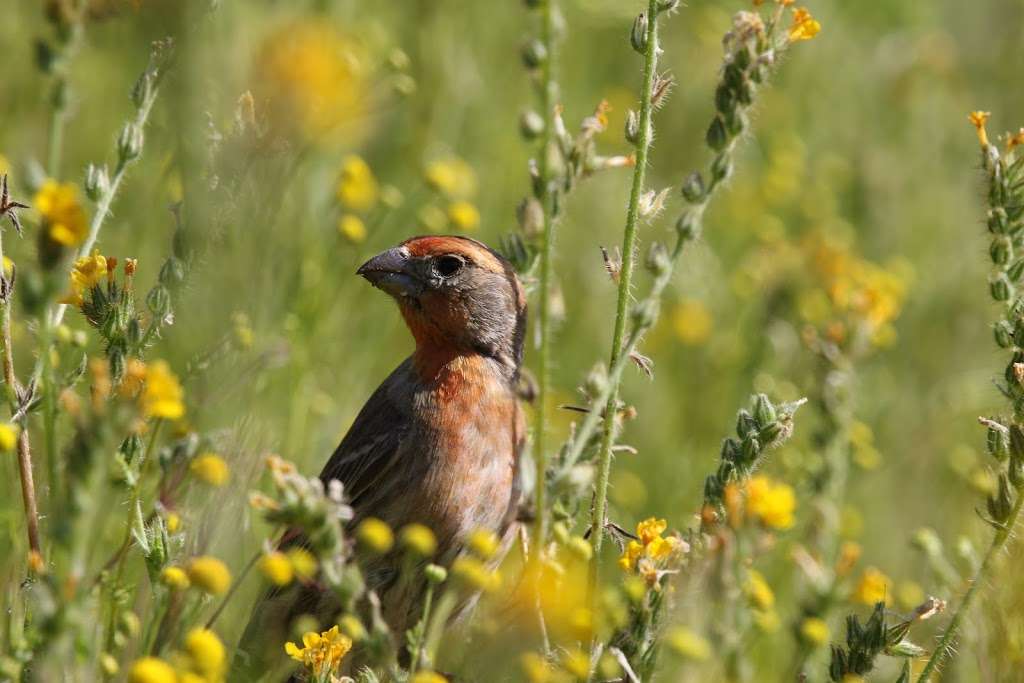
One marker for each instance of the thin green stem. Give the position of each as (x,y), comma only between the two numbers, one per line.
(547,87)
(417,653)
(945,645)
(625,280)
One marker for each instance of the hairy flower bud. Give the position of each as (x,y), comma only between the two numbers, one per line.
(531,124)
(638,36)
(97,183)
(534,54)
(632,126)
(129,143)
(693,188)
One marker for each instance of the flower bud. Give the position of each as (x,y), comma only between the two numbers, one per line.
(645,313)
(1001,503)
(764,411)
(1000,287)
(435,573)
(534,54)
(1015,471)
(770,432)
(998,443)
(688,225)
(716,136)
(721,168)
(97,183)
(745,424)
(596,382)
(730,450)
(142,89)
(693,188)
(1001,251)
(997,220)
(658,261)
(1015,271)
(129,143)
(1003,334)
(667,5)
(531,124)
(638,36)
(1016,442)
(750,449)
(530,215)
(632,131)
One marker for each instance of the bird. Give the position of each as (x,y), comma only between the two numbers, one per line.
(439,442)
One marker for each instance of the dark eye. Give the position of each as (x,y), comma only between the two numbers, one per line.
(447,266)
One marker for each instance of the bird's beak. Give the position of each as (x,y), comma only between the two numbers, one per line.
(389,271)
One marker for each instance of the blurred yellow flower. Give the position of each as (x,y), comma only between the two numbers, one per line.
(873,587)
(475,574)
(464,216)
(758,591)
(536,668)
(210,468)
(8,436)
(692,322)
(175,578)
(688,644)
(63,216)
(978,120)
(849,554)
(452,177)
(375,534)
(483,542)
(151,670)
(162,395)
(1012,140)
(428,677)
(357,187)
(276,567)
(909,594)
(209,574)
(577,663)
(315,81)
(206,653)
(352,228)
(5,165)
(419,539)
(352,627)
(814,631)
(88,272)
(303,562)
(173,522)
(321,653)
(771,503)
(804,26)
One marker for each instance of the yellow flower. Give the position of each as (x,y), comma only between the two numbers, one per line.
(849,554)
(63,216)
(352,627)
(419,539)
(692,322)
(484,543)
(210,468)
(109,664)
(536,668)
(375,535)
(162,396)
(978,119)
(357,188)
(209,574)
(804,26)
(758,591)
(151,670)
(815,631)
(303,562)
(451,177)
(650,547)
(175,578)
(206,653)
(428,677)
(8,436)
(88,272)
(873,587)
(321,652)
(352,228)
(276,567)
(464,216)
(770,502)
(909,594)
(173,522)
(475,574)
(1014,140)
(577,663)
(650,529)
(688,644)
(315,80)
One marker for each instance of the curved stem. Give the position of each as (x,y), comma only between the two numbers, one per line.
(625,280)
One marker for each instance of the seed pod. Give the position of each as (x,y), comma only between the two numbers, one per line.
(638,36)
(1000,287)
(998,444)
(632,131)
(1001,251)
(717,137)
(1003,334)
(997,222)
(534,54)
(693,188)
(531,124)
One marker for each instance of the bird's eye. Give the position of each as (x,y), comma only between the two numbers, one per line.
(447,266)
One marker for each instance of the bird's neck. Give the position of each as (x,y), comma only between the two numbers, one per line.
(442,364)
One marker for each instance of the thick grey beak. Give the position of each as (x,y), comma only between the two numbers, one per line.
(389,271)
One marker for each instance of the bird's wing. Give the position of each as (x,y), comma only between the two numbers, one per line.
(371,446)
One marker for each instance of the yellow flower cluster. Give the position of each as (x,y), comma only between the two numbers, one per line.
(978,119)
(873,587)
(321,653)
(771,503)
(455,182)
(88,272)
(357,192)
(804,26)
(650,551)
(210,468)
(162,396)
(280,568)
(203,660)
(64,218)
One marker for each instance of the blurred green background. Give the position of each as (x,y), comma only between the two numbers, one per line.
(862,138)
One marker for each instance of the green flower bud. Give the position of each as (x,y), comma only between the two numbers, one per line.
(435,574)
(725,98)
(534,54)
(997,220)
(998,444)
(1016,442)
(750,448)
(1001,503)
(730,450)
(632,127)
(721,168)
(1015,471)
(1015,271)
(1000,287)
(638,36)
(693,188)
(645,313)
(531,124)
(129,142)
(97,183)
(688,225)
(1001,251)
(658,261)
(717,137)
(770,432)
(745,424)
(764,411)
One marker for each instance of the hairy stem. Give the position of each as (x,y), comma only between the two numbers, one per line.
(625,279)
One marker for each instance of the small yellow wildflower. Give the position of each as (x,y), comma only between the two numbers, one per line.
(475,574)
(849,554)
(428,677)
(303,562)
(357,187)
(174,578)
(375,534)
(109,664)
(321,652)
(814,631)
(352,228)
(688,644)
(209,574)
(484,543)
(162,396)
(873,587)
(692,322)
(88,272)
(276,567)
(464,216)
(451,177)
(978,119)
(418,539)
(206,653)
(804,26)
(536,668)
(151,670)
(772,503)
(173,522)
(210,468)
(1012,141)
(352,627)
(63,216)
(8,436)
(758,591)
(650,546)
(577,663)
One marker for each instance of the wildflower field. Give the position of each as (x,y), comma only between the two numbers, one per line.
(774,363)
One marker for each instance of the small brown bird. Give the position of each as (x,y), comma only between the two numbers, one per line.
(438,442)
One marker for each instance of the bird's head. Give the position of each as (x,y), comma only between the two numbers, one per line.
(456,294)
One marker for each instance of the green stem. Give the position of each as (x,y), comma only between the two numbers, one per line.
(942,650)
(625,281)
(418,650)
(547,87)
